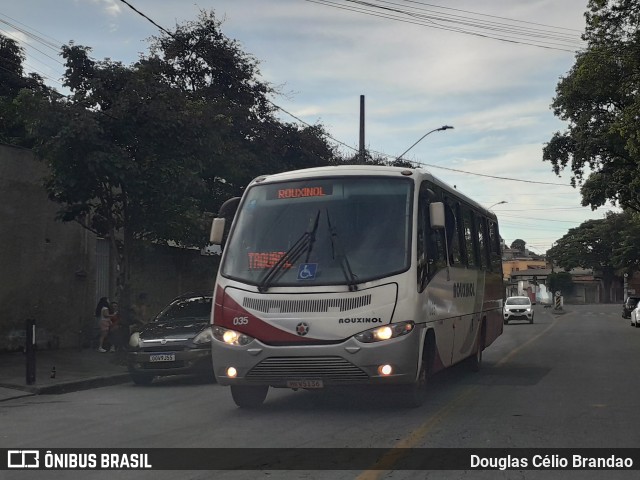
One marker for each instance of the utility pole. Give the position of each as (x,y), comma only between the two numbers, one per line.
(361,151)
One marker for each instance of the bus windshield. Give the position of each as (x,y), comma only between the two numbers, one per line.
(327,231)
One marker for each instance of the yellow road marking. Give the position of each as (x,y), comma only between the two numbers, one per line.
(517,350)
(387,462)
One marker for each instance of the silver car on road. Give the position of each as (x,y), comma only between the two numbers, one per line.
(518,308)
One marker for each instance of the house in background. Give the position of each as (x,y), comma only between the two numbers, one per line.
(514,261)
(587,287)
(525,273)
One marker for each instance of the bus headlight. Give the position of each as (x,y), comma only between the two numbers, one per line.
(230,337)
(385,332)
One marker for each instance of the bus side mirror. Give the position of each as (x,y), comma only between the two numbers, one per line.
(437,215)
(221,224)
(217,231)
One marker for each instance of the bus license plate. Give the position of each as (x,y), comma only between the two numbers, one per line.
(163,357)
(305,383)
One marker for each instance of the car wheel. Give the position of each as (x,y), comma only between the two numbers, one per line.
(506,322)
(249,396)
(531,321)
(141,378)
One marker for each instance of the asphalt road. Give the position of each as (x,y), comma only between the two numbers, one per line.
(565,381)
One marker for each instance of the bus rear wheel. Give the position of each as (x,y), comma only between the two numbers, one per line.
(249,396)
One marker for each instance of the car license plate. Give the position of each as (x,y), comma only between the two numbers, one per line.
(305,383)
(162,357)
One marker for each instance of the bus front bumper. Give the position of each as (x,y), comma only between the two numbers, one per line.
(315,366)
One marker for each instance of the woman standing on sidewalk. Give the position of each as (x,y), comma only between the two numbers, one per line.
(104,321)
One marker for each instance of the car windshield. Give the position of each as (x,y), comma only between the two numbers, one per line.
(186,308)
(518,301)
(343,230)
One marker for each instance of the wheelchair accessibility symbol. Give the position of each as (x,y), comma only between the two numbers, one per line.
(307,271)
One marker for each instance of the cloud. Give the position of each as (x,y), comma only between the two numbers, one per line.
(111,7)
(19,37)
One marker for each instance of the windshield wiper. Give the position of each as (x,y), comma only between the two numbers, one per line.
(304,243)
(336,246)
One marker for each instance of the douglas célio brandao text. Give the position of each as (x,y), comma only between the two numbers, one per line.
(550,462)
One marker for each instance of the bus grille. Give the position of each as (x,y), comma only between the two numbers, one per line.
(305,305)
(331,370)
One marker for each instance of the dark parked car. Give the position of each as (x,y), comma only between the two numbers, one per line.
(628,305)
(177,341)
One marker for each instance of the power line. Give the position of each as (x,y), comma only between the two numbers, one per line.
(536,38)
(146,17)
(493,176)
(494,16)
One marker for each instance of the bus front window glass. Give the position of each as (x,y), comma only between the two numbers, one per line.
(362,222)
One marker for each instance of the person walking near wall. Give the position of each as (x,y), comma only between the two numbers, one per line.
(104,321)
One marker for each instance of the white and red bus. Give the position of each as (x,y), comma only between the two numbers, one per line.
(352,275)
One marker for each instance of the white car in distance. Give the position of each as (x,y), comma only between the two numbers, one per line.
(518,308)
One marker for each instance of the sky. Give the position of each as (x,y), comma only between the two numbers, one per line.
(487,68)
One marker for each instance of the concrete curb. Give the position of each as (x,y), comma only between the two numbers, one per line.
(65,387)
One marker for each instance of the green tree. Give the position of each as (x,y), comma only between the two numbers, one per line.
(600,100)
(591,246)
(519,244)
(142,152)
(12,81)
(560,281)
(626,255)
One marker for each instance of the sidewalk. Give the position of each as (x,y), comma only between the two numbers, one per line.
(74,370)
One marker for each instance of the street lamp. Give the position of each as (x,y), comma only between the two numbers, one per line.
(499,203)
(444,127)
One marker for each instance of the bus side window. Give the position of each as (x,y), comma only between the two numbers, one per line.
(453,240)
(461,237)
(470,237)
(483,246)
(496,254)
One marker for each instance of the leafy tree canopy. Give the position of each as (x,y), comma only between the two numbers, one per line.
(608,246)
(12,81)
(560,281)
(599,99)
(147,149)
(519,244)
